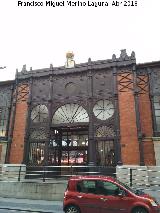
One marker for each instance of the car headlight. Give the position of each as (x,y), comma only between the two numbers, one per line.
(153,203)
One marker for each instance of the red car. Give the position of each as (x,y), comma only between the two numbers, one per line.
(100,194)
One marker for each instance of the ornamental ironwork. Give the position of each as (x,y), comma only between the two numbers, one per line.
(39,113)
(105,131)
(5,96)
(36,154)
(38,134)
(156,82)
(3,121)
(103,109)
(70,113)
(5,102)
(157,111)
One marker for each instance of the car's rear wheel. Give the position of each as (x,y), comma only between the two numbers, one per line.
(139,210)
(72,209)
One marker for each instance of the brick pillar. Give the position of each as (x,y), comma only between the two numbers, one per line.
(146,119)
(17,145)
(128,128)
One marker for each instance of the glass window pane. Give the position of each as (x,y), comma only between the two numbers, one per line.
(36,154)
(3,121)
(70,113)
(103,109)
(158,123)
(106,188)
(39,113)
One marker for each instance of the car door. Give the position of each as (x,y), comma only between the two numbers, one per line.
(110,200)
(86,198)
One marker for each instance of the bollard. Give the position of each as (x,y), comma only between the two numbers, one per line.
(19,174)
(130,177)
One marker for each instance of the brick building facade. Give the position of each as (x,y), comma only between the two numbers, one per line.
(98,113)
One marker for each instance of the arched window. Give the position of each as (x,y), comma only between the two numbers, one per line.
(39,114)
(70,113)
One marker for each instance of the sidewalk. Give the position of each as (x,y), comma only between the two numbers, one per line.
(40,206)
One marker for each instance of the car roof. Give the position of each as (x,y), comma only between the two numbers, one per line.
(90,177)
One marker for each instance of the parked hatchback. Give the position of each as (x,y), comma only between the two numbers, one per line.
(100,194)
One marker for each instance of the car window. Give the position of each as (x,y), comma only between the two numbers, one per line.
(107,188)
(86,186)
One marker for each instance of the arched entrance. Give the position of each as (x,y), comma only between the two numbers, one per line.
(68,146)
(69,136)
(105,148)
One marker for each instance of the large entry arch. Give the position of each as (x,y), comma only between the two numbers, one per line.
(69,136)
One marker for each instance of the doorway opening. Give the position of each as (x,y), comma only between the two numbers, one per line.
(105,153)
(68,146)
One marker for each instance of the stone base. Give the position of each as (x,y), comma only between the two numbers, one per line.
(141,175)
(156,142)
(12,171)
(3,147)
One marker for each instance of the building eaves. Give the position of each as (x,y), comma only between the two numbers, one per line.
(123,61)
(149,64)
(8,82)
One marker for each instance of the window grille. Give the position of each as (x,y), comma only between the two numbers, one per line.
(39,114)
(3,121)
(157,111)
(36,153)
(70,113)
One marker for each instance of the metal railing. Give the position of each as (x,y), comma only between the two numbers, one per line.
(131,176)
(49,173)
(56,172)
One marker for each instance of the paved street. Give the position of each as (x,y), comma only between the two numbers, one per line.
(8,205)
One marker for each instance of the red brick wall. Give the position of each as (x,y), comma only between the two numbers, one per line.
(128,129)
(146,122)
(17,146)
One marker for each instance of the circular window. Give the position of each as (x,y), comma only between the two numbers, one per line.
(103,109)
(39,114)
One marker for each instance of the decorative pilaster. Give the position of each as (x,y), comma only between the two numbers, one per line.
(91,141)
(127,112)
(27,131)
(117,145)
(138,116)
(21,107)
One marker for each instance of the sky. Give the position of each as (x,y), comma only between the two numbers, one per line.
(38,36)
